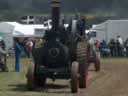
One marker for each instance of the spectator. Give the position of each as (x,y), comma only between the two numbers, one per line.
(97,43)
(120,40)
(24,45)
(18,50)
(105,51)
(3,64)
(104,44)
(119,46)
(112,46)
(29,46)
(126,46)
(3,44)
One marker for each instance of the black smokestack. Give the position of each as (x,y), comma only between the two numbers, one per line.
(55,5)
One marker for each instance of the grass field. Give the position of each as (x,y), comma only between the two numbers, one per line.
(11,81)
(14,84)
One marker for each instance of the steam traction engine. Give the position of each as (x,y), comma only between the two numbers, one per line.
(62,56)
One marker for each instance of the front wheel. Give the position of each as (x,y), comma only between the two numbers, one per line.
(74,77)
(30,77)
(97,62)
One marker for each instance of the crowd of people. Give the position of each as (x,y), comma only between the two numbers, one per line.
(21,45)
(115,47)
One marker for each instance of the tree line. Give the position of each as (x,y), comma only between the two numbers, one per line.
(11,8)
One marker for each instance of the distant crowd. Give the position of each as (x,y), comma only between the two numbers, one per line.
(115,47)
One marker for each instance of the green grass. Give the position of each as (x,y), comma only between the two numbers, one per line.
(114,60)
(11,81)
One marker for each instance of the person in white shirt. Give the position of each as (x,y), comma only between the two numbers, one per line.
(120,40)
(119,46)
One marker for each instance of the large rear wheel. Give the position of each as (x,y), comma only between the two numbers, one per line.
(82,58)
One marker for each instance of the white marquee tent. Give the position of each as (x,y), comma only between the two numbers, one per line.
(111,29)
(20,30)
(14,29)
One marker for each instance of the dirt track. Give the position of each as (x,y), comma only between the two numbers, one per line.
(113,83)
(110,81)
